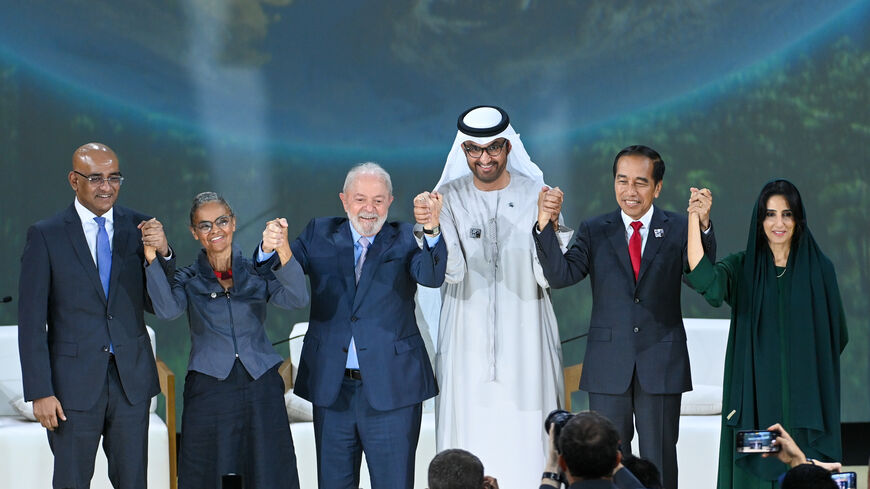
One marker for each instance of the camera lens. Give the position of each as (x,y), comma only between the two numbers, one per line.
(558,418)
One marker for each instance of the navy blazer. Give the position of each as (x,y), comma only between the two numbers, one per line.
(633,324)
(60,287)
(378,313)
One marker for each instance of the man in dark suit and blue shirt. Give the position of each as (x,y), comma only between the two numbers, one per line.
(364,365)
(86,359)
(636,365)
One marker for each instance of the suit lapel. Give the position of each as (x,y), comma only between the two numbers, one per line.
(374,257)
(73,224)
(120,241)
(343,241)
(657,225)
(616,235)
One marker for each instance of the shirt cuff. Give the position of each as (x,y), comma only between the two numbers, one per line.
(432,240)
(262,256)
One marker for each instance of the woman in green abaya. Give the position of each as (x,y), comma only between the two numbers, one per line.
(788,329)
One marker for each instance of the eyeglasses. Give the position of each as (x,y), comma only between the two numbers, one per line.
(222,222)
(475,151)
(97,180)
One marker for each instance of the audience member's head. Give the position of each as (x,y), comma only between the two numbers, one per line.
(455,469)
(645,471)
(808,476)
(589,446)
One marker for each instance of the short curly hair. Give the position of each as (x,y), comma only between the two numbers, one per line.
(455,469)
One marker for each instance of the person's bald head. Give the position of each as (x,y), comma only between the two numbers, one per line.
(98,162)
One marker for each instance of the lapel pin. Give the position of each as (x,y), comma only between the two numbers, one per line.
(510,204)
(659,232)
(474,233)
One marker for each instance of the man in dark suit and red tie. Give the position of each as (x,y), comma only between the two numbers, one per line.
(86,358)
(636,365)
(364,365)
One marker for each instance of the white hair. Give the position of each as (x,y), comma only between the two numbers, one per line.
(368,168)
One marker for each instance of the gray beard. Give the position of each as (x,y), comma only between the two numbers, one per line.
(376,227)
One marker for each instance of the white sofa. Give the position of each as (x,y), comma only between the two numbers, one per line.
(26,460)
(303,434)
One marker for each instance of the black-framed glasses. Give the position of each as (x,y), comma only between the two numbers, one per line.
(222,222)
(476,151)
(97,180)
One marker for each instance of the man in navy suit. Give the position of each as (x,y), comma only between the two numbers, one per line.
(364,365)
(86,359)
(636,365)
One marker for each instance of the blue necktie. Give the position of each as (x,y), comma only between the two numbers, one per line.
(352,359)
(364,243)
(104,254)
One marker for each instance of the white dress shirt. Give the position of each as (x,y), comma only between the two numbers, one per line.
(90,227)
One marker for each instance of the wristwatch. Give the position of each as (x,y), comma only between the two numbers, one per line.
(552,476)
(433,232)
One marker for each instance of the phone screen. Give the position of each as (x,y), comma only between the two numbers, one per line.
(846,480)
(756,441)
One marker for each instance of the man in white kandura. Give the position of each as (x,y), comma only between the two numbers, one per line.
(499,361)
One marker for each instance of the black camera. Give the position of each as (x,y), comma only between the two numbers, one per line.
(557,417)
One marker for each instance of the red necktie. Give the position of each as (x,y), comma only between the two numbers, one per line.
(634,248)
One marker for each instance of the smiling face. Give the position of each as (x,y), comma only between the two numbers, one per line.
(220,235)
(634,185)
(367,203)
(489,171)
(95,160)
(778,221)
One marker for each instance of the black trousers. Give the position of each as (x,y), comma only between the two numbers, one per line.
(239,425)
(658,424)
(124,429)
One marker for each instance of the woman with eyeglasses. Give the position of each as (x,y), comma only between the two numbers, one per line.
(234,418)
(788,329)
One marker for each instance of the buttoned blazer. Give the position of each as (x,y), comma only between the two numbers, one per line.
(634,325)
(66,322)
(378,313)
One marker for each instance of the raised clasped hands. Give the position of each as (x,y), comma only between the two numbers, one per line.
(549,206)
(427,209)
(700,203)
(153,239)
(275,239)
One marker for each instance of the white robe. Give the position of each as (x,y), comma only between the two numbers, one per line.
(499,360)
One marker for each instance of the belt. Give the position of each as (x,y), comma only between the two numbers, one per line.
(353,373)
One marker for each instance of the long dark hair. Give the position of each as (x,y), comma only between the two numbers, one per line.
(791,195)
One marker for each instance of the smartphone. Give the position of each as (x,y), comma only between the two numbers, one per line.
(756,441)
(846,480)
